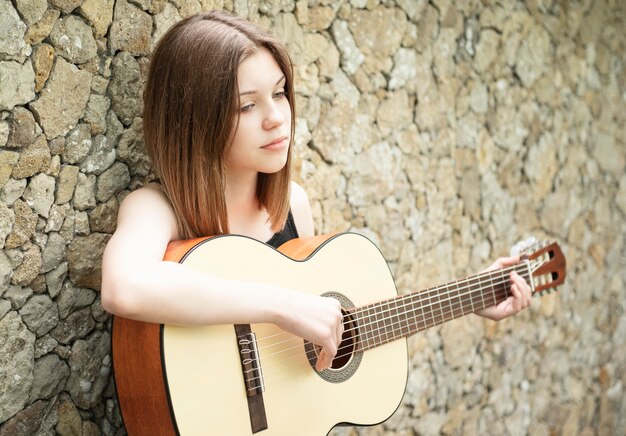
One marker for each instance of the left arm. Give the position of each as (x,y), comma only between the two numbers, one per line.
(519,299)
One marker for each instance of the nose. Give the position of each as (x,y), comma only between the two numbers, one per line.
(274,116)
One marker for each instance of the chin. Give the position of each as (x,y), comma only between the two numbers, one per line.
(273,167)
(271,170)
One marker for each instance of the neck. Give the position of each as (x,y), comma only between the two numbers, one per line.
(240,191)
(245,214)
(386,321)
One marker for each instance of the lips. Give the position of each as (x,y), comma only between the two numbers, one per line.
(276,143)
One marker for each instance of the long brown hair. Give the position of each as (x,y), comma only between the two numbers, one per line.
(191,107)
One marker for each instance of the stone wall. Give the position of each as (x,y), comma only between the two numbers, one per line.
(444,131)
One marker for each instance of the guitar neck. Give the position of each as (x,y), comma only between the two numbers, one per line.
(405,315)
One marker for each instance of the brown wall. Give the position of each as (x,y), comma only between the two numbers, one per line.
(444,131)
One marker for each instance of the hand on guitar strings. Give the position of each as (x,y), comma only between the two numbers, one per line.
(520,293)
(318,320)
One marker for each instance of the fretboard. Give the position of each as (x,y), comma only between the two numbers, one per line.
(402,316)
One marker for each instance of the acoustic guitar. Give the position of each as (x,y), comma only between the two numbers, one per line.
(249,379)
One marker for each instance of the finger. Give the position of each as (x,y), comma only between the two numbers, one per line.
(321,363)
(517,301)
(324,360)
(328,352)
(340,329)
(523,287)
(516,290)
(503,262)
(529,293)
(508,261)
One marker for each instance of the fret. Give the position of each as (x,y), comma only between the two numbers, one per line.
(439,300)
(422,303)
(393,318)
(383,314)
(504,283)
(365,328)
(480,291)
(359,325)
(414,312)
(373,325)
(386,319)
(430,305)
(474,285)
(506,286)
(458,293)
(480,304)
(381,334)
(451,302)
(404,317)
(422,316)
(391,325)
(456,303)
(439,317)
(411,315)
(455,300)
(460,301)
(444,300)
(493,289)
(402,327)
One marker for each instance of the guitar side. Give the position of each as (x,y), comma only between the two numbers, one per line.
(202,366)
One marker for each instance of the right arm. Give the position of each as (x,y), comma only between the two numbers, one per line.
(138,284)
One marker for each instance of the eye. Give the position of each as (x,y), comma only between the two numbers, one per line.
(280,94)
(247,108)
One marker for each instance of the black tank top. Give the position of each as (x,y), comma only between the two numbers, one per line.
(288,233)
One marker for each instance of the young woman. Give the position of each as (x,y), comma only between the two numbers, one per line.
(218,126)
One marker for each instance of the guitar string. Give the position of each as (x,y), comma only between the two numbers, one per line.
(273,364)
(501,293)
(408,299)
(384,331)
(411,300)
(478,277)
(414,299)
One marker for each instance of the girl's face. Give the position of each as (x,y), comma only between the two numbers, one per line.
(261,141)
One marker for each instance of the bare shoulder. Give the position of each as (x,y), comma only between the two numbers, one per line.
(147,205)
(147,212)
(301,210)
(151,191)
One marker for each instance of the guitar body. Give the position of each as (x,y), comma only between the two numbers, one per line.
(190,381)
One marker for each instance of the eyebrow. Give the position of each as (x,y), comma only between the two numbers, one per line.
(253,91)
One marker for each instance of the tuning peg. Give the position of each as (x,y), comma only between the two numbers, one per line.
(546,291)
(522,246)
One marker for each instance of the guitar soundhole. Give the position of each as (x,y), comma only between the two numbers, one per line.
(348,357)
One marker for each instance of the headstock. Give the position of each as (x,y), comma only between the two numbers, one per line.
(547,263)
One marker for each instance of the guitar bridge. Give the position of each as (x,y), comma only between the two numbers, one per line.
(252,376)
(250,364)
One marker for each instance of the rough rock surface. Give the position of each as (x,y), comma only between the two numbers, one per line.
(444,131)
(16,364)
(63,100)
